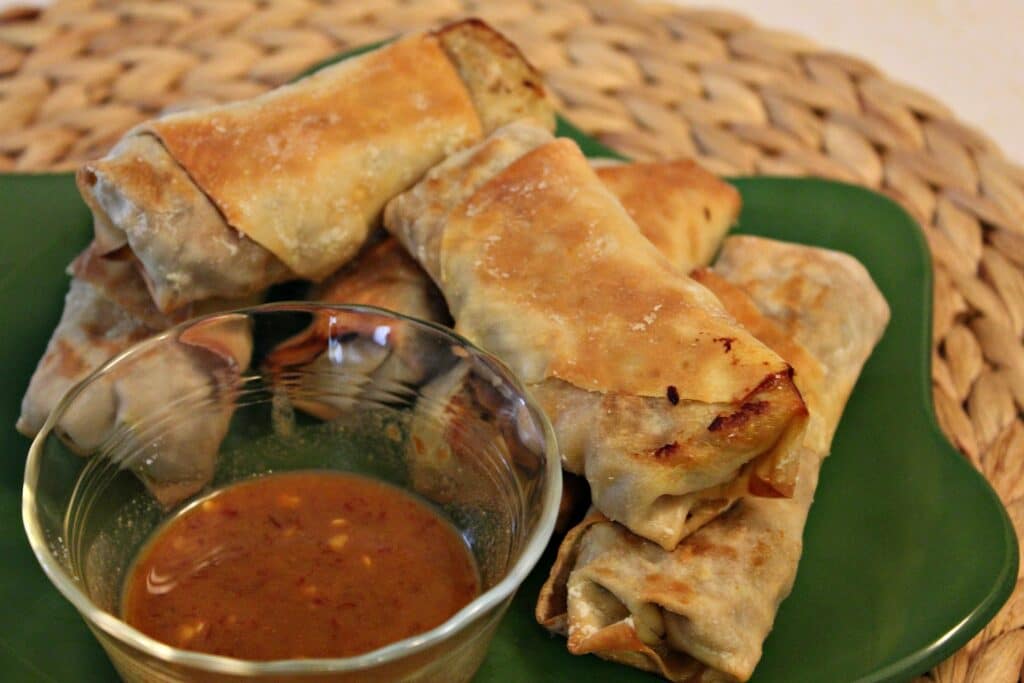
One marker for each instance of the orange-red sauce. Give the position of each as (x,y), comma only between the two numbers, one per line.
(304,564)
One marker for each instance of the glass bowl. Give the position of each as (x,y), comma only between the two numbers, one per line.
(287,387)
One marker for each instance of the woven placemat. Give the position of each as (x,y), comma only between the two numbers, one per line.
(650,80)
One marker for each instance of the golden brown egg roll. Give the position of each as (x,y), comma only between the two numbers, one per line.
(341,356)
(680,207)
(701,611)
(177,400)
(112,412)
(106,310)
(117,277)
(92,329)
(657,395)
(666,199)
(385,276)
(227,200)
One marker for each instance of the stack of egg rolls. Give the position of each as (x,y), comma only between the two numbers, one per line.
(203,210)
(693,540)
(701,611)
(669,407)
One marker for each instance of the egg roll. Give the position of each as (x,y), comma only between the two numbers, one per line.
(112,412)
(702,611)
(143,202)
(175,402)
(385,276)
(656,394)
(117,277)
(341,355)
(681,208)
(227,200)
(92,329)
(106,310)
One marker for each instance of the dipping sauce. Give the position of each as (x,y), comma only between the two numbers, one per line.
(302,564)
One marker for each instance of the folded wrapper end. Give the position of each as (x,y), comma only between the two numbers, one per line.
(143,199)
(683,209)
(775,473)
(176,403)
(617,640)
(640,491)
(417,217)
(106,237)
(552,604)
(502,83)
(120,278)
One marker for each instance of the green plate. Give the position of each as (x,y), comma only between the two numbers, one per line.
(908,551)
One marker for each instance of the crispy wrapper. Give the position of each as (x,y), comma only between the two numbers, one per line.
(701,611)
(667,405)
(227,200)
(681,208)
(341,355)
(116,413)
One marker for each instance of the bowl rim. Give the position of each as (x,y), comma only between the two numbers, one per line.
(111,625)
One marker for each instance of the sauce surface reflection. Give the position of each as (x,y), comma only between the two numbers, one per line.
(299,565)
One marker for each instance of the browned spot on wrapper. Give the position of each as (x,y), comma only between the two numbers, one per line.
(726,342)
(667,451)
(739,418)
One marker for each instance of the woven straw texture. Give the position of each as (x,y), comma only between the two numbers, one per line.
(650,80)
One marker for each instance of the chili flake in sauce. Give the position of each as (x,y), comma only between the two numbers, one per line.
(302,564)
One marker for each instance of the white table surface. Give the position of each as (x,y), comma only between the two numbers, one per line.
(967,53)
